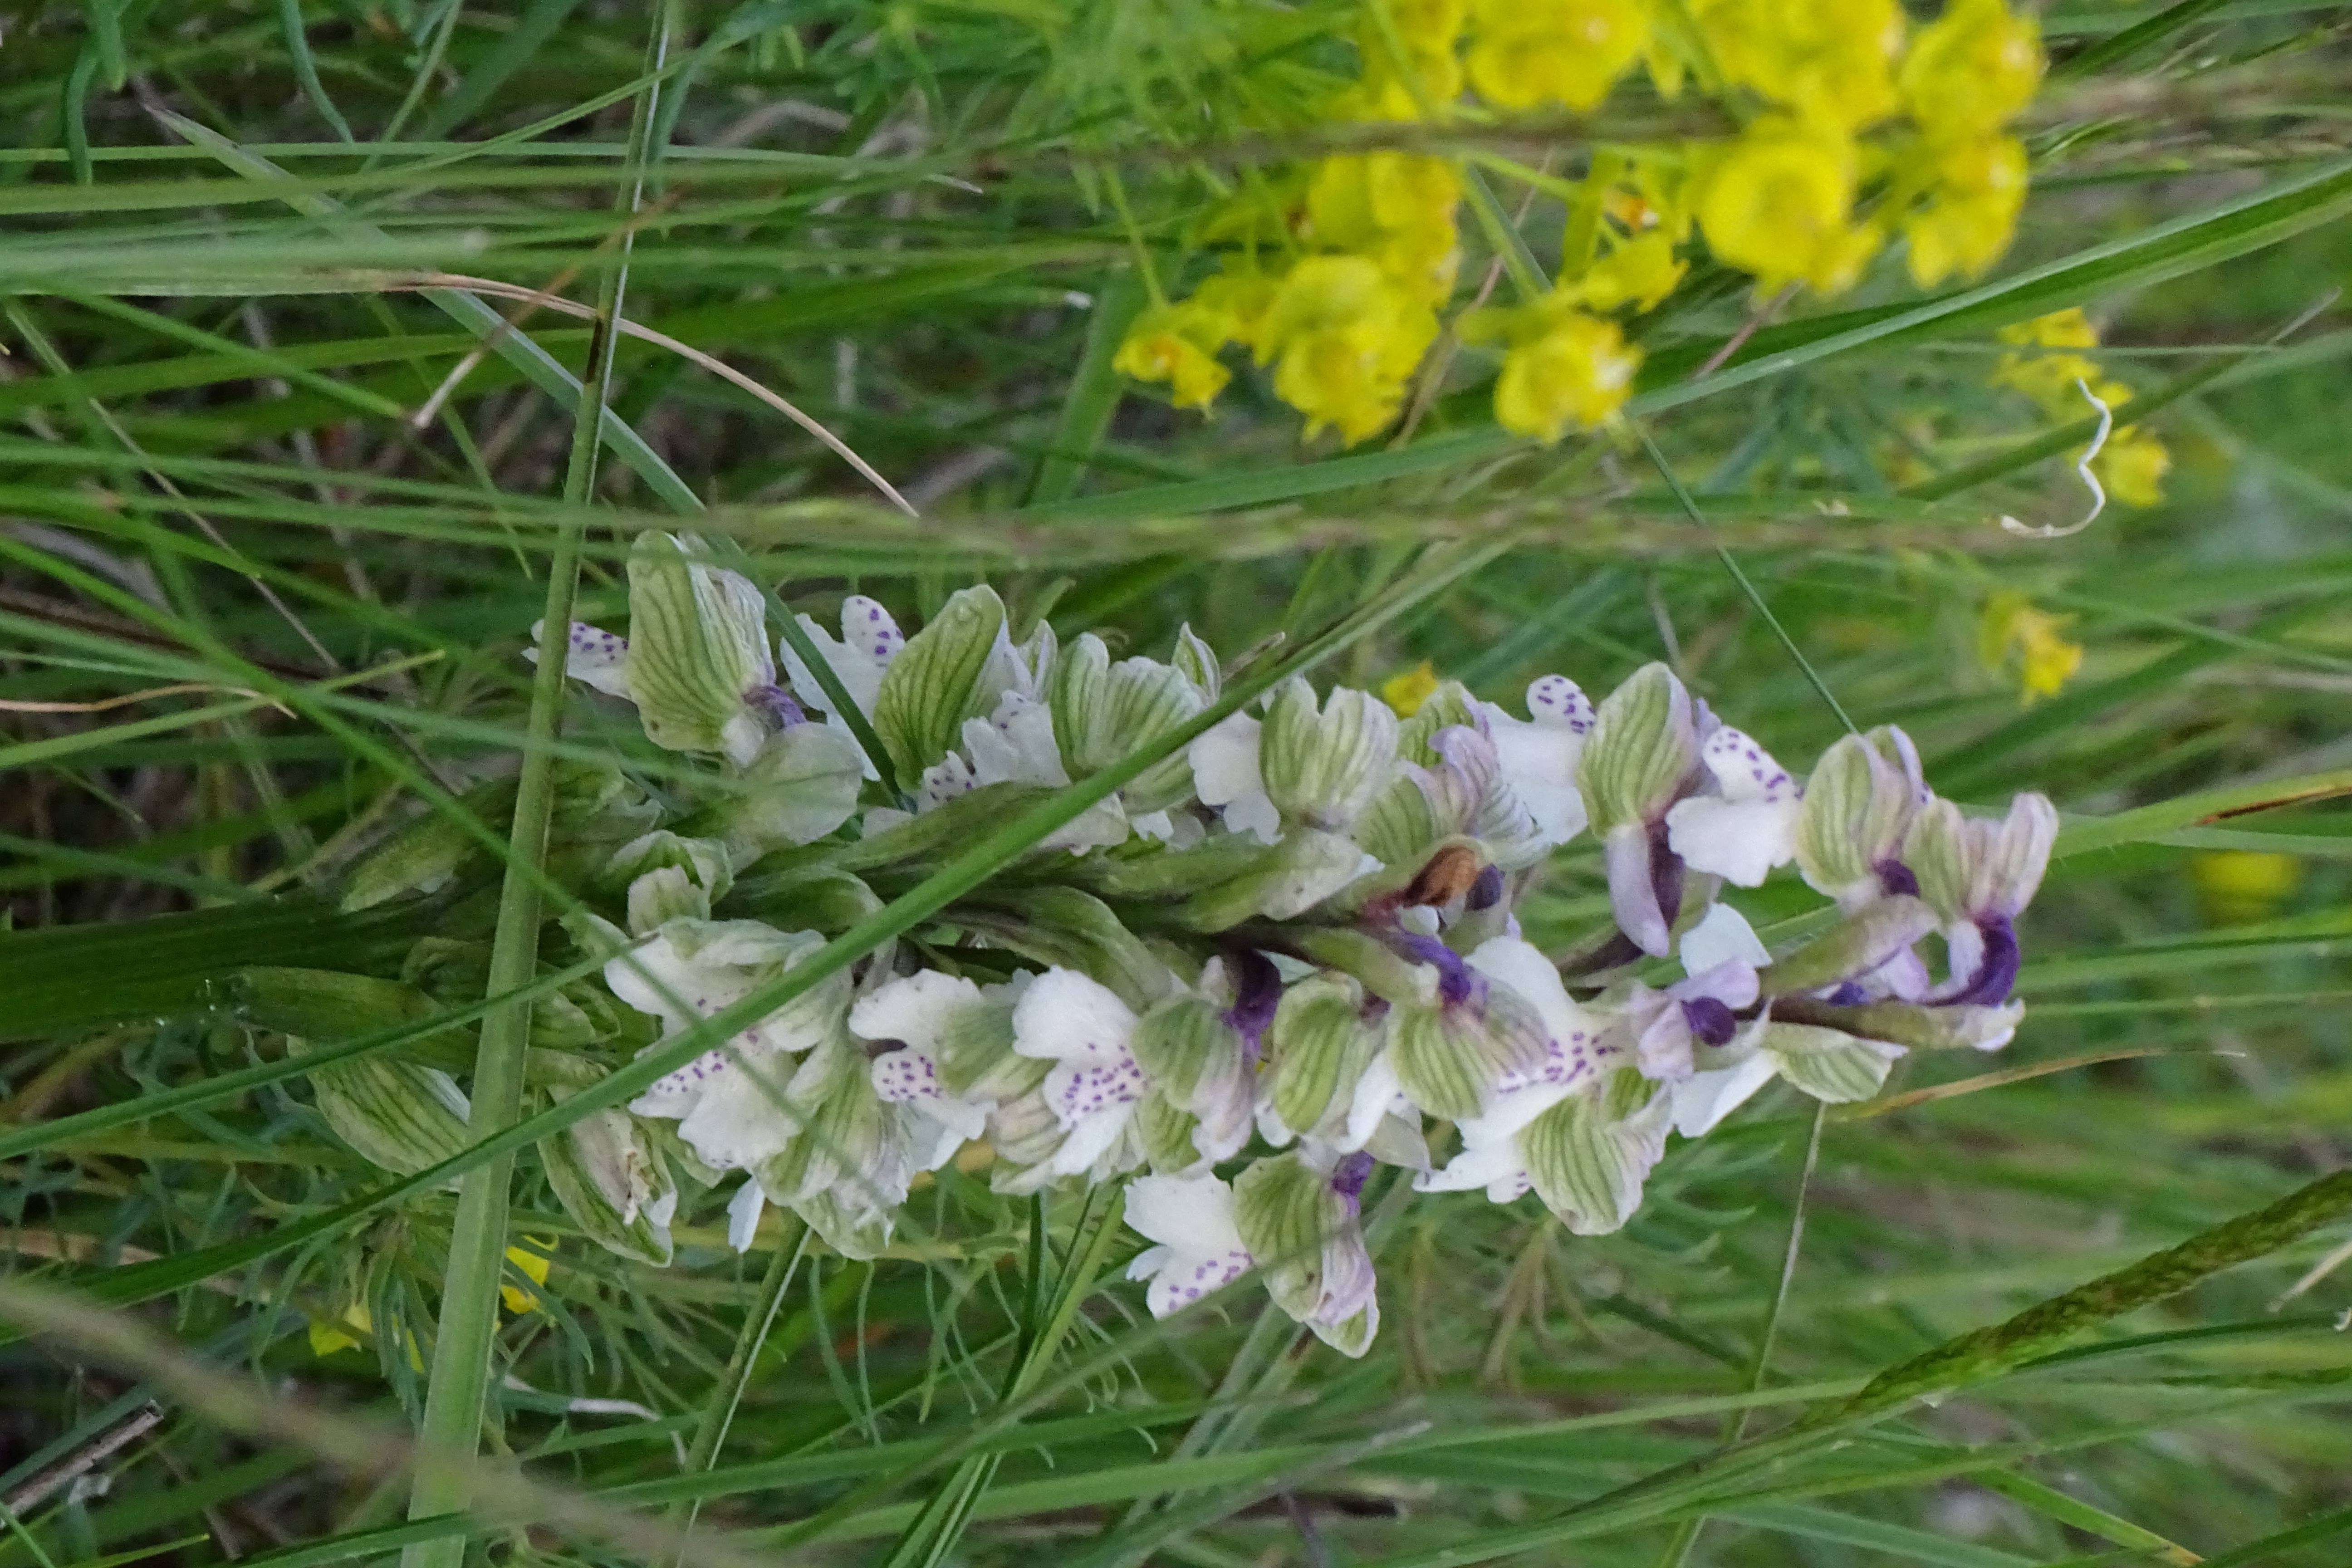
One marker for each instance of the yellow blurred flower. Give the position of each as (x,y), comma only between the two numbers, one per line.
(328,1338)
(531,1262)
(1778,203)
(1971,70)
(2132,466)
(1177,344)
(1653,193)
(2046,660)
(1640,272)
(1425,32)
(2049,378)
(1564,370)
(1343,339)
(2241,884)
(2066,329)
(1830,61)
(1396,208)
(1236,302)
(1524,53)
(1407,691)
(1976,189)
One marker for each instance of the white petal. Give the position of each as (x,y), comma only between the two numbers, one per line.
(868,632)
(739,1124)
(1080,1091)
(742,736)
(906,1077)
(1703,1100)
(1510,1109)
(1376,1090)
(933,1144)
(1963,950)
(1475,1166)
(1066,1016)
(871,640)
(1744,770)
(1538,764)
(1558,702)
(914,1010)
(943,780)
(1185,1279)
(1721,935)
(1732,983)
(1149,1261)
(1089,1139)
(743,1215)
(1015,745)
(1522,967)
(595,656)
(1192,1215)
(1739,841)
(1225,776)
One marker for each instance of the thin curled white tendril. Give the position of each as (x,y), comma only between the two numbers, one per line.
(2082,466)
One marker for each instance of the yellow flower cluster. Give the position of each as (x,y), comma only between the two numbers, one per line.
(2045,659)
(2133,463)
(1853,129)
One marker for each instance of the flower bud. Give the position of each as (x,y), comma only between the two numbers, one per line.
(1633,766)
(1199,662)
(1859,804)
(670,878)
(1979,876)
(1300,1218)
(396,1116)
(1909,1025)
(1064,928)
(1828,1064)
(326,1005)
(697,650)
(1856,946)
(1282,882)
(427,854)
(935,683)
(608,1176)
(1323,767)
